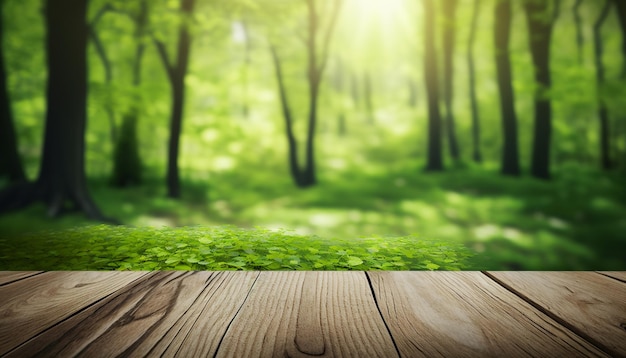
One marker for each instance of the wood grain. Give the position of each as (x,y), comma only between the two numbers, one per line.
(465,314)
(618,275)
(165,314)
(592,305)
(303,314)
(33,305)
(7,277)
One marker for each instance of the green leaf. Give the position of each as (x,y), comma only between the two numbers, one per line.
(354,261)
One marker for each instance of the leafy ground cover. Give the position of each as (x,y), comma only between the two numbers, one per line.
(103,247)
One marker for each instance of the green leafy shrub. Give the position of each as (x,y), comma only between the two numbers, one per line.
(105,247)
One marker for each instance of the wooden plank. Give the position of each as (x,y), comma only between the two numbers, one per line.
(466,314)
(31,306)
(618,275)
(297,313)
(592,305)
(7,277)
(171,313)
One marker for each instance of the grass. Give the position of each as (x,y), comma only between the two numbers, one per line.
(577,221)
(219,248)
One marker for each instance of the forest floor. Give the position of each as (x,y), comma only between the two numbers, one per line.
(577,221)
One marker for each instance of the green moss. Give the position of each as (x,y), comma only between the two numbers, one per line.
(105,247)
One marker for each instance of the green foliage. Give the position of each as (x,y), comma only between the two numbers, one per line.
(219,248)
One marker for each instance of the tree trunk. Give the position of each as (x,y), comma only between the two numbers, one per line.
(62,172)
(476,153)
(502,29)
(315,68)
(449,28)
(621,15)
(127,165)
(412,93)
(603,113)
(434,161)
(294,167)
(367,94)
(579,30)
(540,34)
(10,162)
(106,64)
(355,90)
(176,73)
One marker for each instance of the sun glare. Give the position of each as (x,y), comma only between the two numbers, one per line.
(375,28)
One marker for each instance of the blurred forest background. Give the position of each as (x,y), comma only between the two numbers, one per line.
(499,124)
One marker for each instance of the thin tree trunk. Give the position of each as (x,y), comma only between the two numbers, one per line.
(176,74)
(106,64)
(10,161)
(434,162)
(127,165)
(294,167)
(367,94)
(621,15)
(476,153)
(502,30)
(540,35)
(603,113)
(247,63)
(449,28)
(412,92)
(355,90)
(579,30)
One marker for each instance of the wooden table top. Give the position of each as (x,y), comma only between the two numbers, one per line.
(321,313)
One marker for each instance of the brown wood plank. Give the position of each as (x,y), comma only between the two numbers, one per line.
(618,275)
(30,306)
(592,305)
(169,313)
(7,277)
(298,314)
(466,314)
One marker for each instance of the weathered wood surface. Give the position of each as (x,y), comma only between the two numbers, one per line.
(7,277)
(592,305)
(302,314)
(468,315)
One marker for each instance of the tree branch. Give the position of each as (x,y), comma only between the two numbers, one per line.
(169,68)
(327,35)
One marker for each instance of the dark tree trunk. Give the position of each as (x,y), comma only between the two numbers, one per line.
(510,154)
(294,167)
(62,172)
(603,112)
(579,29)
(434,162)
(621,14)
(127,165)
(176,73)
(10,162)
(316,63)
(502,29)
(449,29)
(476,153)
(540,35)
(106,64)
